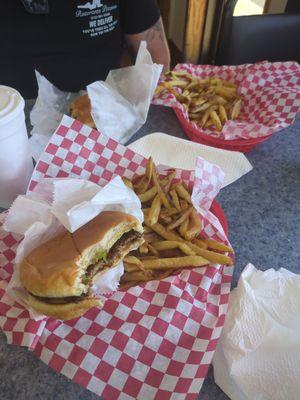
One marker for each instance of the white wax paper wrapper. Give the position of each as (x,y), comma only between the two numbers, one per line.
(258,355)
(69,203)
(120,104)
(108,280)
(49,108)
(162,148)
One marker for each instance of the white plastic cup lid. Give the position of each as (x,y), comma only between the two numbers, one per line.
(11,103)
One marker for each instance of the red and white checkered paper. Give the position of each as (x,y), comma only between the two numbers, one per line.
(271,97)
(153,341)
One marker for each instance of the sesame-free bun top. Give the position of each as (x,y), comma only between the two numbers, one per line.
(55,268)
(80,109)
(51,269)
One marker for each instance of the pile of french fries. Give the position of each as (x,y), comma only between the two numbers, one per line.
(210,102)
(172,231)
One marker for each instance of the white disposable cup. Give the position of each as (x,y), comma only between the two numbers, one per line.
(15,158)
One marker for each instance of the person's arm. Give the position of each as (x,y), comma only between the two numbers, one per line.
(156,43)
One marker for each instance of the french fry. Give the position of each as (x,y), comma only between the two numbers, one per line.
(148,258)
(223,114)
(179,221)
(127,182)
(132,267)
(154,210)
(204,118)
(183,193)
(209,123)
(184,204)
(132,260)
(142,186)
(191,233)
(195,110)
(168,180)
(147,230)
(165,245)
(196,220)
(153,250)
(135,276)
(236,109)
(225,91)
(127,285)
(165,219)
(173,263)
(171,235)
(180,73)
(201,97)
(175,199)
(169,211)
(165,216)
(214,245)
(159,88)
(132,263)
(212,256)
(200,243)
(147,196)
(219,100)
(163,232)
(161,274)
(196,227)
(160,192)
(138,184)
(143,249)
(184,227)
(178,83)
(216,120)
(151,237)
(170,244)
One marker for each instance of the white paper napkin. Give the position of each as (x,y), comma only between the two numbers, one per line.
(69,203)
(181,153)
(120,104)
(258,355)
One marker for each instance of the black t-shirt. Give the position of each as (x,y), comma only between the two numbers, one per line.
(74,44)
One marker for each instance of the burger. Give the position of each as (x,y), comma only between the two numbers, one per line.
(80,109)
(59,275)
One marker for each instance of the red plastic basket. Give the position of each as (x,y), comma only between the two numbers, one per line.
(242,145)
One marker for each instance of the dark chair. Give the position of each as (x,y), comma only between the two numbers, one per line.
(250,39)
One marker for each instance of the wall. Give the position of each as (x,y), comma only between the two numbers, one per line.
(177,22)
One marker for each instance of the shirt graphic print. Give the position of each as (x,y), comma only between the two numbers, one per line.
(98,18)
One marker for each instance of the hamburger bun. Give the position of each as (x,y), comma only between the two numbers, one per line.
(65,311)
(80,109)
(62,271)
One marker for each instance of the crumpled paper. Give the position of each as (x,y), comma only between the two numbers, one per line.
(46,114)
(162,147)
(258,354)
(119,105)
(56,204)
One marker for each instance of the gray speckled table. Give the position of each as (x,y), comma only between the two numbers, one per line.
(263,214)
